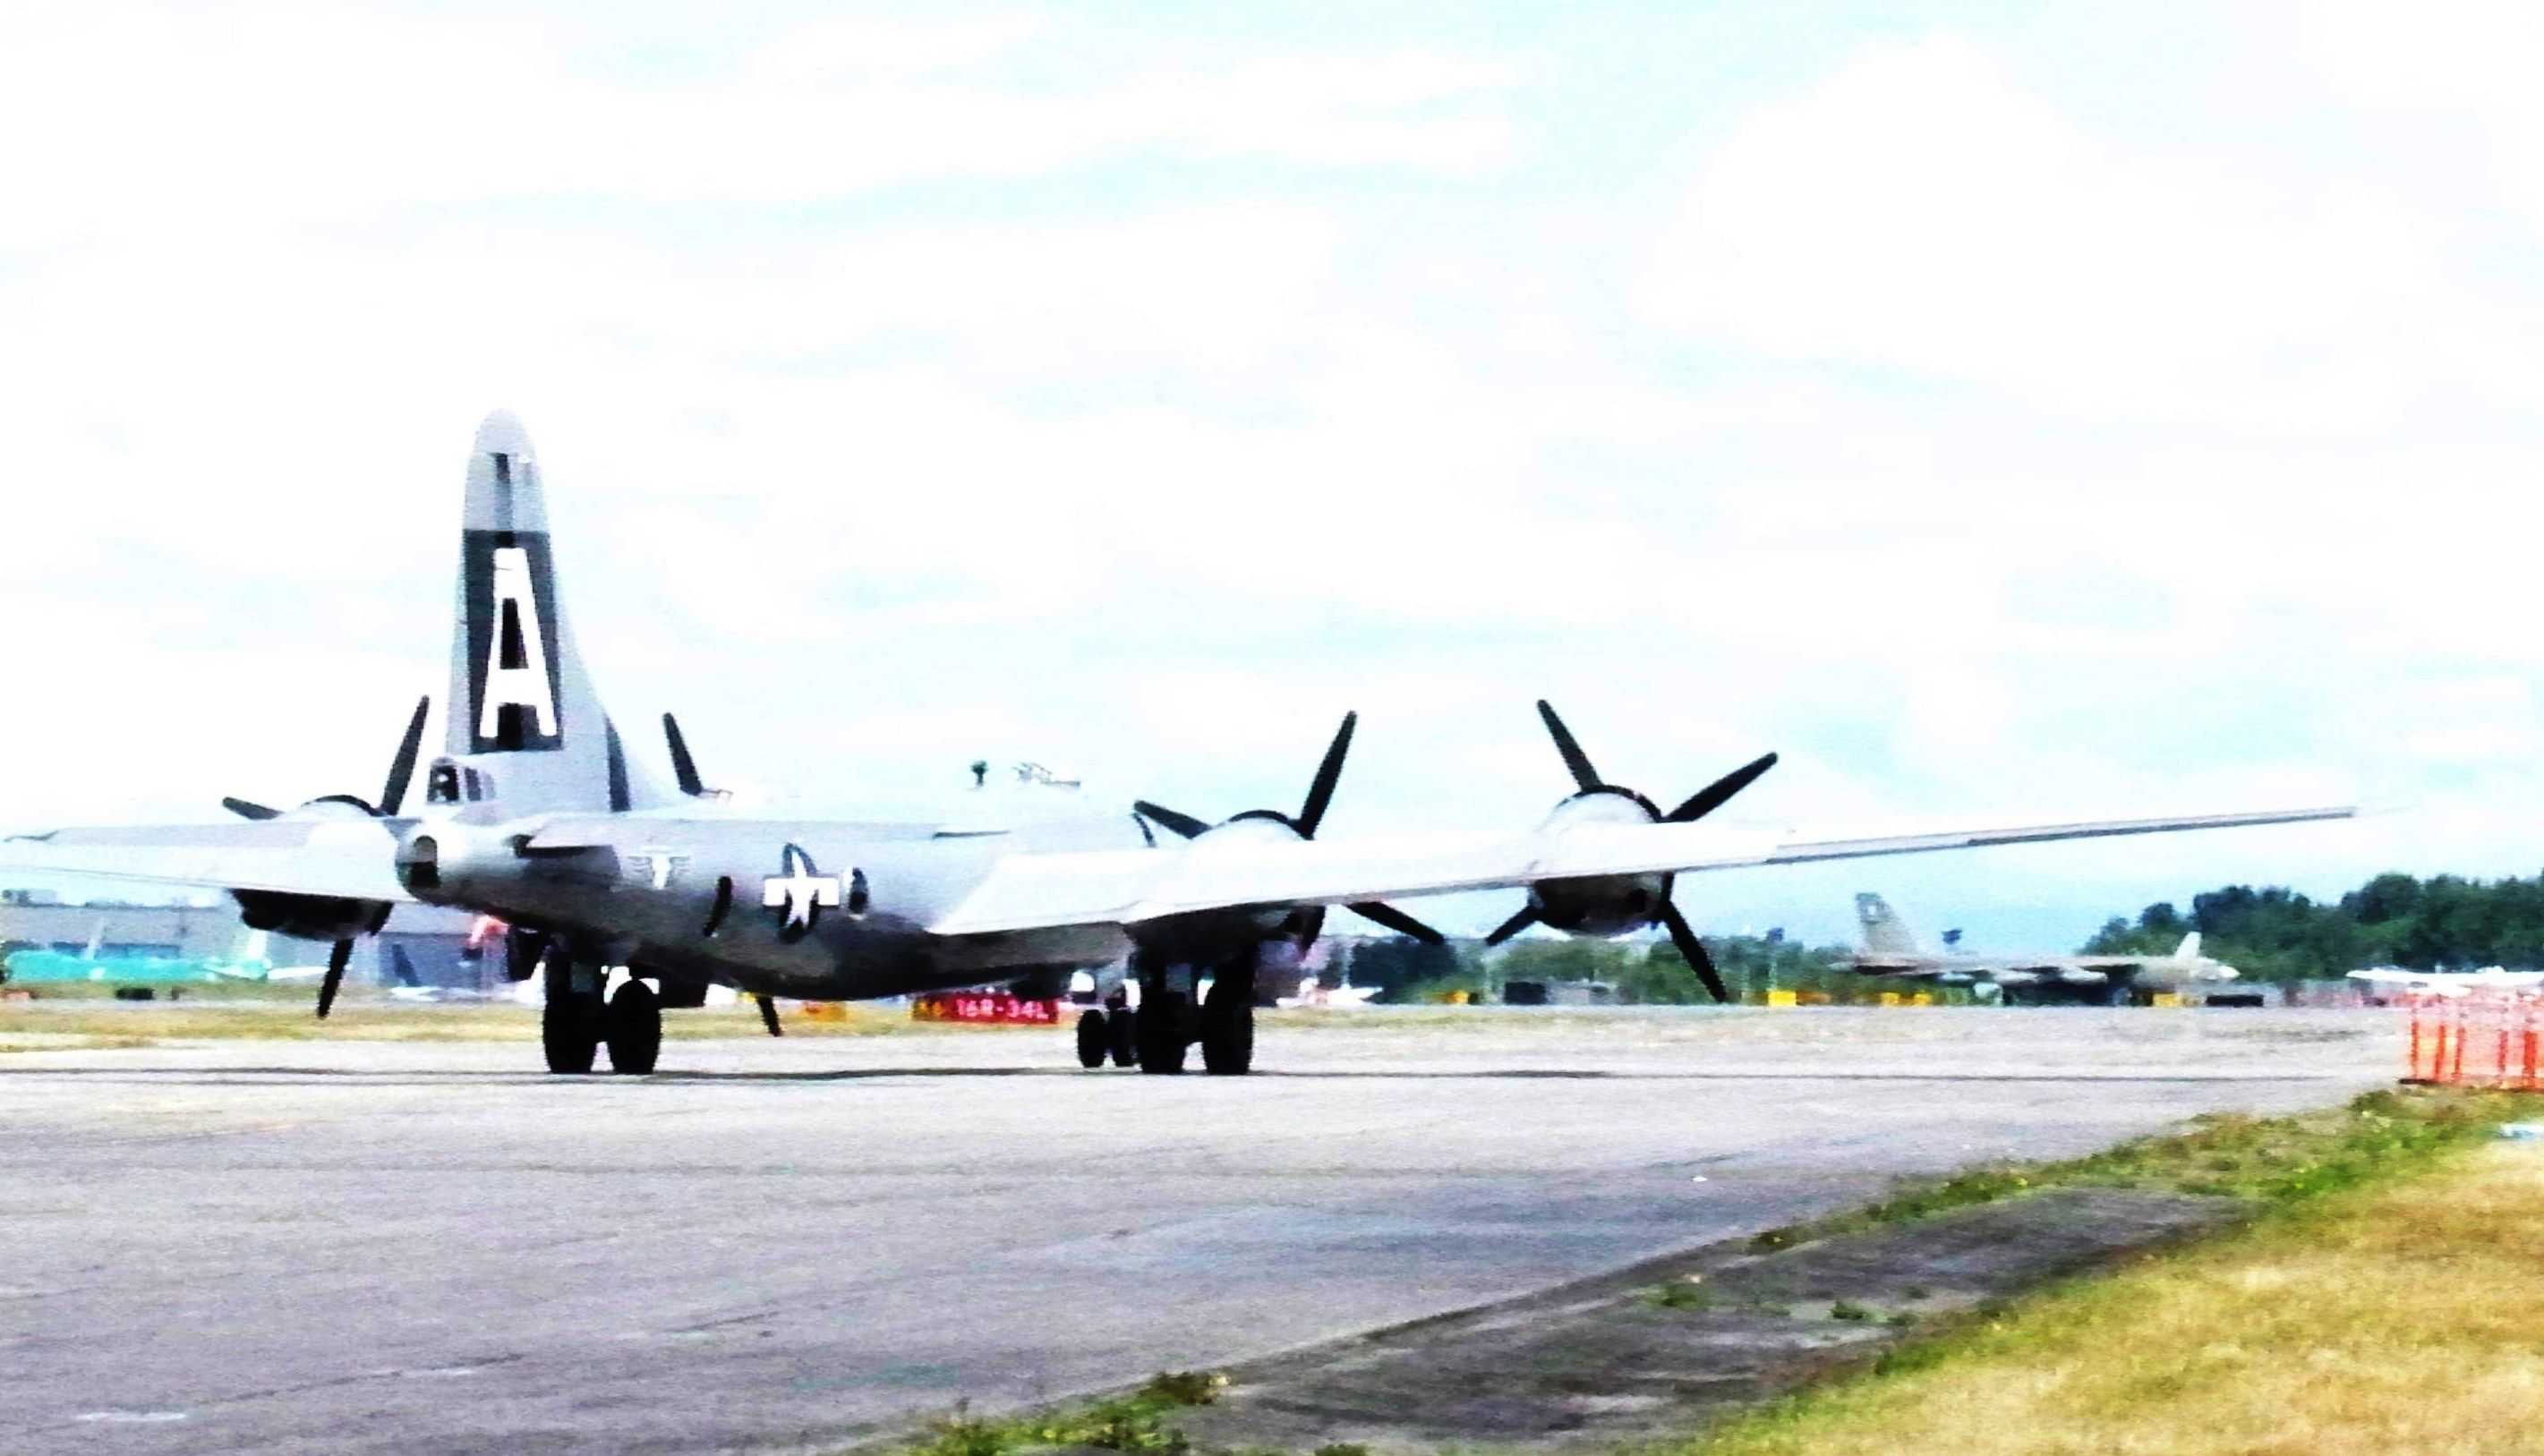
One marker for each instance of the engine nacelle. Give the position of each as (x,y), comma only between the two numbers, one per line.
(1607,904)
(310,917)
(1262,826)
(315,917)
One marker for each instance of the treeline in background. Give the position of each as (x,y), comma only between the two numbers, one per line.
(2444,923)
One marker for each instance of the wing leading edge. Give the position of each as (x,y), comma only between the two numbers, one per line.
(1133,887)
(341,859)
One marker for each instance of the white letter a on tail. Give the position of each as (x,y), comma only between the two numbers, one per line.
(517,651)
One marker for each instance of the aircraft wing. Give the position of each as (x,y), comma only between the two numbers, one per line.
(347,859)
(1035,892)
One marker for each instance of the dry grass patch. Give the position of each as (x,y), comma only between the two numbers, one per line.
(2377,1315)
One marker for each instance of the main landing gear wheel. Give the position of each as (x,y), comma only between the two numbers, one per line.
(1094,1037)
(1227,1025)
(1126,1036)
(634,1029)
(570,1026)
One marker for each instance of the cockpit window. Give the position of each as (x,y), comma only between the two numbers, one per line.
(441,782)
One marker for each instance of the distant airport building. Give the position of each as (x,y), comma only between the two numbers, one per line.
(432,940)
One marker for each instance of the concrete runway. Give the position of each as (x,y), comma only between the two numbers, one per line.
(341,1246)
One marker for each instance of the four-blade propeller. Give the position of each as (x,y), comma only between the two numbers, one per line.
(392,798)
(1311,812)
(1702,802)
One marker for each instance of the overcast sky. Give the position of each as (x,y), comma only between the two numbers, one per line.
(2001,410)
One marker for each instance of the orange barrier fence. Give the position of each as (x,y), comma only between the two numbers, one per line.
(2481,1038)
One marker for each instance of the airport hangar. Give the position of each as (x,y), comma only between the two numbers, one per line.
(435,939)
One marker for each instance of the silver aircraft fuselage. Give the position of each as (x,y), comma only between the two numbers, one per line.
(820,910)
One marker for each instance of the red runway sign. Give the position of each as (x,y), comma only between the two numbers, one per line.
(985,1008)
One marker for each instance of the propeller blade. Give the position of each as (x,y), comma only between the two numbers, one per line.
(1320,792)
(246,811)
(1715,795)
(768,1015)
(1526,917)
(335,959)
(1564,744)
(402,767)
(1693,948)
(684,767)
(1183,824)
(1396,920)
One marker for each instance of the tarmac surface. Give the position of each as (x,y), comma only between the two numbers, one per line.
(413,1247)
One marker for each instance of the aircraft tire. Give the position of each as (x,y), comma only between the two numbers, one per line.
(1227,1028)
(1125,1027)
(1161,1033)
(569,1030)
(1094,1037)
(633,1026)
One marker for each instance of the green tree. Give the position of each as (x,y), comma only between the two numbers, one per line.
(2276,934)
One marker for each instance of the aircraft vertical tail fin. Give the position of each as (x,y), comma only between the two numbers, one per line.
(2189,950)
(1884,933)
(526,729)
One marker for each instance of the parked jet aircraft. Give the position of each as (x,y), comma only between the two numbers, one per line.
(2393,978)
(1891,948)
(534,814)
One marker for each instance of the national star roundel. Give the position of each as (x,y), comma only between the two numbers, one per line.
(798,893)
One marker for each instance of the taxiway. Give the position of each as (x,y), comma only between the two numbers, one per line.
(341,1246)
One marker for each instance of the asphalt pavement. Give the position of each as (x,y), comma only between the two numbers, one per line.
(413,1247)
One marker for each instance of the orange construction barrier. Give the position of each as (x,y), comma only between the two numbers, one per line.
(2478,1038)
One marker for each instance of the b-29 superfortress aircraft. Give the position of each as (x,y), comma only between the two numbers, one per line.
(535,814)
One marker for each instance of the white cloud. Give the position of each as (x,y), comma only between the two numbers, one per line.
(212,118)
(2032,466)
(1921,211)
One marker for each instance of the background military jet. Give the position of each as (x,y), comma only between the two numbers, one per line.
(534,814)
(1891,948)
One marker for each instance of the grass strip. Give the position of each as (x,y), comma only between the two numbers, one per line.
(2380,1301)
(2266,1160)
(1136,1422)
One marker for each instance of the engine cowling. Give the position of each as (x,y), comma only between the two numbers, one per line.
(315,917)
(1305,923)
(1609,905)
(1600,906)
